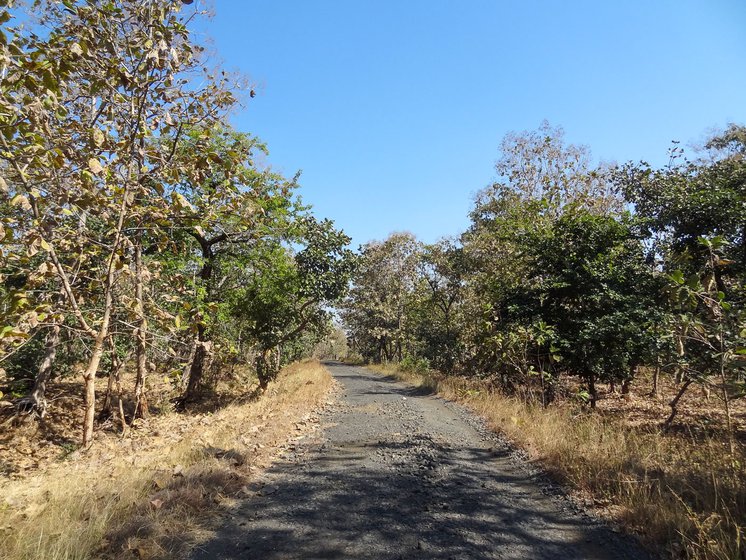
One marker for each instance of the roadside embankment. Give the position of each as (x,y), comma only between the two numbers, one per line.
(157,492)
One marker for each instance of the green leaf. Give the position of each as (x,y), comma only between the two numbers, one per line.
(677,277)
(10,332)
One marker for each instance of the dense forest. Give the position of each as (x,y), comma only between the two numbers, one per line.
(571,269)
(137,228)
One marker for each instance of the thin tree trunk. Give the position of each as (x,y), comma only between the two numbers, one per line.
(37,400)
(592,390)
(89,377)
(680,350)
(106,407)
(141,402)
(726,397)
(113,373)
(113,385)
(655,393)
(118,381)
(675,402)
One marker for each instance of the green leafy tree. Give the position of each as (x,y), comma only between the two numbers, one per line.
(225,211)
(692,211)
(590,281)
(442,270)
(377,310)
(287,293)
(93,107)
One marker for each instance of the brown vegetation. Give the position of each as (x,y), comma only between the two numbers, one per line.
(682,491)
(158,490)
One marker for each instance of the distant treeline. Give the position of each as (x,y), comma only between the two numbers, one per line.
(571,269)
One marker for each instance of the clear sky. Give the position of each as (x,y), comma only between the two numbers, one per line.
(394,109)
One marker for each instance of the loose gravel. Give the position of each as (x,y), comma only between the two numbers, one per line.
(394,473)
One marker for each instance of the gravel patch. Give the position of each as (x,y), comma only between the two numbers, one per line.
(393,473)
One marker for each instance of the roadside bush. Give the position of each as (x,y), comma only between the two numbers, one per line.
(414,365)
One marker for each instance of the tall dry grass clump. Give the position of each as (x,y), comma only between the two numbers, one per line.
(684,494)
(155,496)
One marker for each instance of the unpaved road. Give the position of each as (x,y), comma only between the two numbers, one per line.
(396,474)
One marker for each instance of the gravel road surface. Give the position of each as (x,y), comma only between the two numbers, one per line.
(394,473)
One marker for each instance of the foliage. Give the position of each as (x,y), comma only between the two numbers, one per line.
(376,310)
(552,278)
(133,216)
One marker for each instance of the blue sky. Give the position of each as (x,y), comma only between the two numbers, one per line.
(394,110)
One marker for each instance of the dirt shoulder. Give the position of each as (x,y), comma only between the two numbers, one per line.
(396,473)
(160,490)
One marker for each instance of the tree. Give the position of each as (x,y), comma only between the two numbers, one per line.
(231,206)
(590,281)
(693,211)
(285,293)
(715,339)
(690,199)
(540,178)
(376,310)
(442,269)
(93,106)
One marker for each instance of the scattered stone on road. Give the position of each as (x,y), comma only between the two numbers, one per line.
(394,473)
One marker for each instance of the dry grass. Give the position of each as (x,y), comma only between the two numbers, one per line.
(682,492)
(159,494)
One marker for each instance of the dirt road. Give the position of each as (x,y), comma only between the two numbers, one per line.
(396,474)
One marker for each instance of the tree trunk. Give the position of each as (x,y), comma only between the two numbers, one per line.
(113,374)
(724,386)
(674,403)
(681,352)
(592,390)
(549,393)
(264,369)
(655,392)
(36,401)
(141,402)
(627,385)
(197,367)
(106,407)
(89,377)
(201,356)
